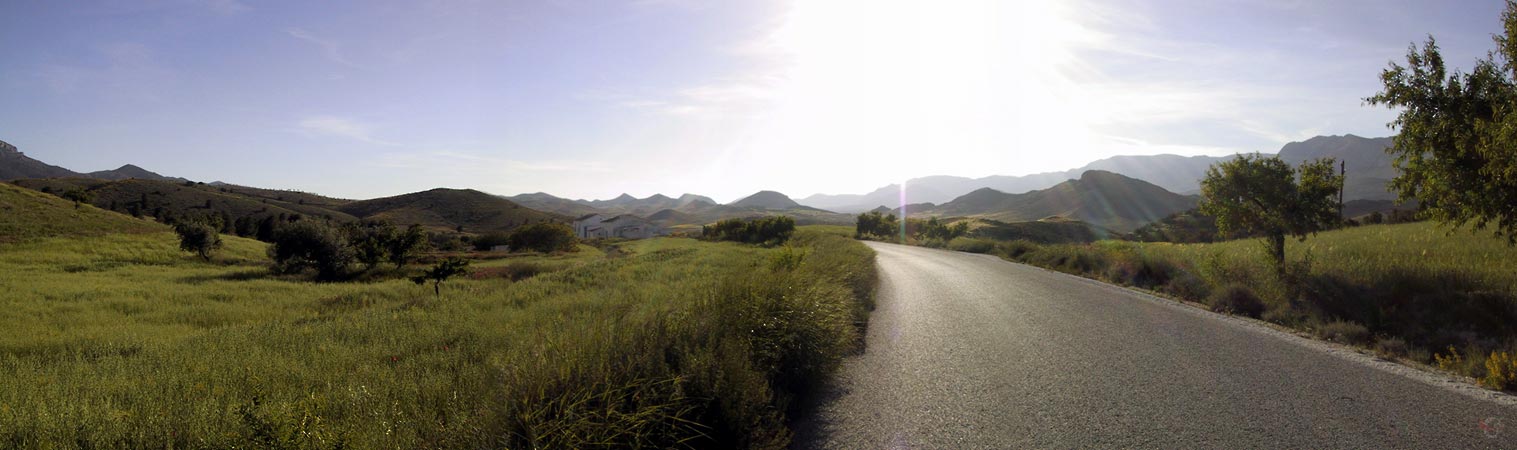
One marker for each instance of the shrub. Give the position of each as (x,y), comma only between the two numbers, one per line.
(1016,249)
(971,245)
(543,237)
(1344,332)
(1500,371)
(1391,347)
(198,237)
(1188,286)
(1237,299)
(487,241)
(310,244)
(768,231)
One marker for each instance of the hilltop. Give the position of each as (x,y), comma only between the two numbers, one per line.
(16,165)
(451,209)
(766,200)
(130,171)
(1104,199)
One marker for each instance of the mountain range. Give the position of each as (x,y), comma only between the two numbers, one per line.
(1369,169)
(1118,193)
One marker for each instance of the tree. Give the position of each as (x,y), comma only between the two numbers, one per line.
(1256,195)
(1456,150)
(370,240)
(311,244)
(543,237)
(198,237)
(874,223)
(406,244)
(78,196)
(445,269)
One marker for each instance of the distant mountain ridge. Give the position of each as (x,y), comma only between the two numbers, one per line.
(467,210)
(1105,199)
(129,171)
(15,165)
(1369,169)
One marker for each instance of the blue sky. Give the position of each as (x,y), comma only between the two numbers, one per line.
(589,99)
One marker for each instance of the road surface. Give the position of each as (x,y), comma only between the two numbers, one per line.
(968,351)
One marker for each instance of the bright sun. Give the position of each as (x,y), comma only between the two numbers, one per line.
(887,86)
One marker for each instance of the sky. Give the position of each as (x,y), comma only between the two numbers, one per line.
(594,98)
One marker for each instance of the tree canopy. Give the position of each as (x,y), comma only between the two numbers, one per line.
(1258,195)
(1456,150)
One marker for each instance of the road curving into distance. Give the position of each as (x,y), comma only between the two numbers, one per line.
(969,351)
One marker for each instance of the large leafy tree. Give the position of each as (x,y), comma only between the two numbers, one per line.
(1254,195)
(1457,144)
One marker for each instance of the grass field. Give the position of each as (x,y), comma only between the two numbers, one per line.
(1410,291)
(121,340)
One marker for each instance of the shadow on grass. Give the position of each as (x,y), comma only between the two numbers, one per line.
(239,275)
(1429,309)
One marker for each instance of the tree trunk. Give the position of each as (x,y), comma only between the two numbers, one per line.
(1277,251)
(437,288)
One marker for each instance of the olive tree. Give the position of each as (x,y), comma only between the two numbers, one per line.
(1254,195)
(1456,151)
(198,237)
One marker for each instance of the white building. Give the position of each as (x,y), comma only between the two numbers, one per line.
(625,226)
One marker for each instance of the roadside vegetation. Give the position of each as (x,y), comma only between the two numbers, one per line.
(123,340)
(1410,291)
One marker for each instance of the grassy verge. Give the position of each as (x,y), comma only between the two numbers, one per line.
(122,341)
(1409,291)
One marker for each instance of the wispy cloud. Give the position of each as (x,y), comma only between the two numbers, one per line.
(121,69)
(330,48)
(341,127)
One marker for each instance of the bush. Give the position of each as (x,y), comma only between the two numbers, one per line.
(1237,299)
(1188,286)
(767,231)
(971,245)
(310,244)
(198,237)
(543,237)
(1500,371)
(1344,332)
(487,241)
(1391,347)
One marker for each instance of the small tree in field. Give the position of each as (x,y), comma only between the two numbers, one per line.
(309,243)
(370,240)
(199,238)
(1257,195)
(445,269)
(406,244)
(78,196)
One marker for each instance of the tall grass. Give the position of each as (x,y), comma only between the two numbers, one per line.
(1409,290)
(123,341)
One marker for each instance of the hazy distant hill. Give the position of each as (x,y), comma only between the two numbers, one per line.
(1369,169)
(766,200)
(475,211)
(1100,198)
(16,165)
(548,203)
(130,171)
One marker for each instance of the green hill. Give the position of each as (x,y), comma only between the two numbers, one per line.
(27,214)
(449,209)
(162,199)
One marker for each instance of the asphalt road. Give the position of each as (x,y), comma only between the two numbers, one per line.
(968,351)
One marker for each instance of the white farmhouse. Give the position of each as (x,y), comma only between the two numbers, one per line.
(625,226)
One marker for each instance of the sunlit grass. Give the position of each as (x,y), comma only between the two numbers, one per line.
(122,340)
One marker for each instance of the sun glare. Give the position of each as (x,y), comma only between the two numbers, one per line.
(976,79)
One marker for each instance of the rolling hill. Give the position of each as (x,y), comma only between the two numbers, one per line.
(450,209)
(27,214)
(548,203)
(1101,198)
(766,200)
(151,198)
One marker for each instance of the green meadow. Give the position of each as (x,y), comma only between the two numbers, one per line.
(1415,291)
(121,340)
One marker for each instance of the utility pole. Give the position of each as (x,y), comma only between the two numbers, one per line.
(1342,180)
